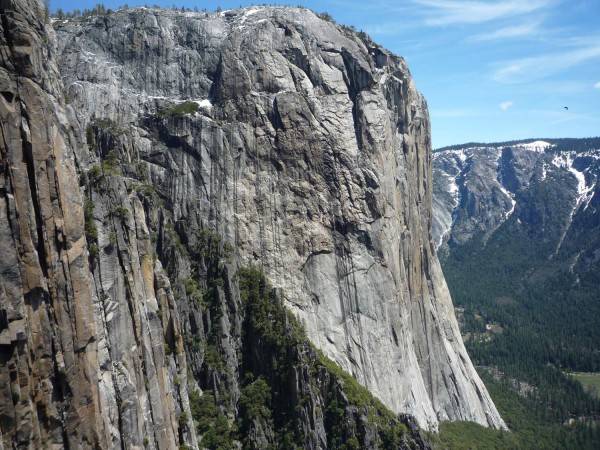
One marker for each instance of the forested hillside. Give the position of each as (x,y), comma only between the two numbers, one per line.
(521,260)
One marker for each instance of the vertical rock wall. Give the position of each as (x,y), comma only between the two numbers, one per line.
(308,154)
(48,342)
(81,349)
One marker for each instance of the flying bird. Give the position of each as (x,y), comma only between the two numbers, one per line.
(567,108)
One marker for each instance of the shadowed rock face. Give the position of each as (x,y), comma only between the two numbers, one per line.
(309,152)
(48,348)
(62,380)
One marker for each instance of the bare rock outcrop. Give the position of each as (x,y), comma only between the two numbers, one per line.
(48,339)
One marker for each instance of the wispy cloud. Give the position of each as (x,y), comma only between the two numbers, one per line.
(453,113)
(510,32)
(393,29)
(461,12)
(505,105)
(527,69)
(597,85)
(557,117)
(553,86)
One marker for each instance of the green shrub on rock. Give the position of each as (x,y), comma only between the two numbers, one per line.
(181,109)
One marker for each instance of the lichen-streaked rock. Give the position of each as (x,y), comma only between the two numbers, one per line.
(81,349)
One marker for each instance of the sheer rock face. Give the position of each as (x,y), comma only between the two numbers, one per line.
(64,328)
(309,153)
(48,341)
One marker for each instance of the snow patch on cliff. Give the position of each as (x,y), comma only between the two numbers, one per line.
(447,220)
(565,160)
(205,103)
(505,191)
(536,146)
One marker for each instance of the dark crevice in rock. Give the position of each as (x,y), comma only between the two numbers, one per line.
(59,382)
(36,297)
(379,57)
(8,96)
(6,26)
(275,117)
(31,173)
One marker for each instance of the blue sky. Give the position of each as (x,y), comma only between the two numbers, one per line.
(490,70)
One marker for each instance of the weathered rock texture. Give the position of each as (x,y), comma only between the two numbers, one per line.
(312,158)
(48,342)
(81,351)
(309,155)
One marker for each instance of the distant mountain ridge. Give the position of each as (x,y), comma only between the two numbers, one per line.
(574,144)
(477,186)
(517,229)
(522,222)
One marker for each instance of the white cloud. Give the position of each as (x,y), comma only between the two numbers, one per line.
(505,105)
(516,31)
(451,12)
(527,69)
(597,85)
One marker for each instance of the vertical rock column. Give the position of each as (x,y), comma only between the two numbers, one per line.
(48,386)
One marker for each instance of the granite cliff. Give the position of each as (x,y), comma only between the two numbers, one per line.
(152,162)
